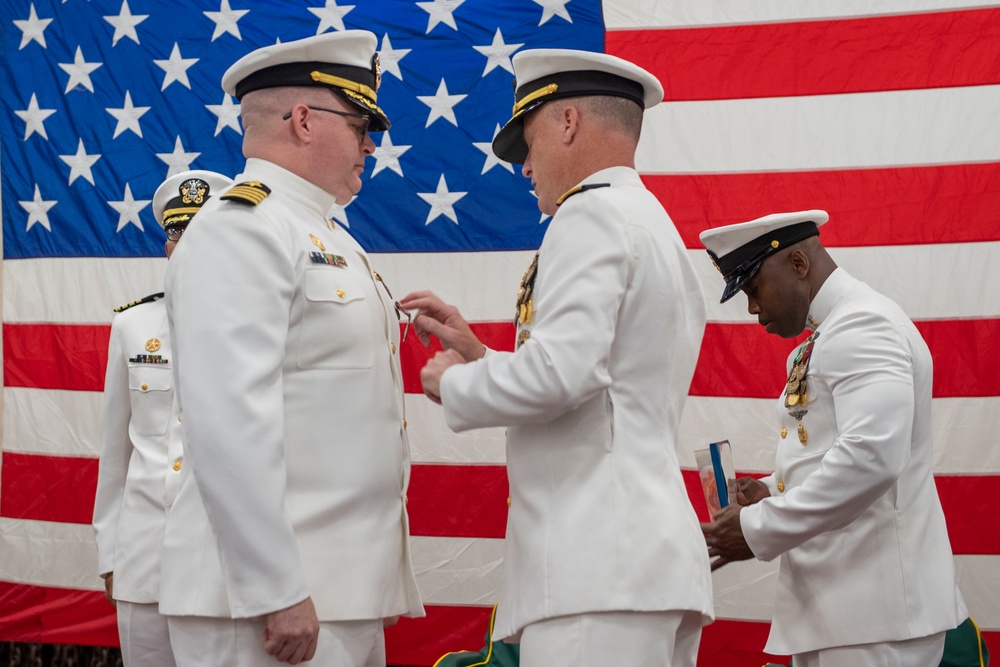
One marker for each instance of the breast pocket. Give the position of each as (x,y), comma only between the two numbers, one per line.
(150,389)
(336,329)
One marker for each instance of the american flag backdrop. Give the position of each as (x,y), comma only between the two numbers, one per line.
(886,113)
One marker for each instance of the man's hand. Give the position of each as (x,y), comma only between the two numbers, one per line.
(109,588)
(290,635)
(724,537)
(750,491)
(437,318)
(431,374)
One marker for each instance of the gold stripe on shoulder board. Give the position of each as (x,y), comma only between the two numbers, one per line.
(248,192)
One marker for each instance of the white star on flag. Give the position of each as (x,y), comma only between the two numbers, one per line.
(228,114)
(128,117)
(225,21)
(387,156)
(491,159)
(441,104)
(330,16)
(32,29)
(128,209)
(80,164)
(440,11)
(498,54)
(552,8)
(79,72)
(125,23)
(178,160)
(544,215)
(390,57)
(442,202)
(34,118)
(38,210)
(176,68)
(339,213)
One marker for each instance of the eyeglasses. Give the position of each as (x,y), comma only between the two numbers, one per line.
(362,131)
(174,232)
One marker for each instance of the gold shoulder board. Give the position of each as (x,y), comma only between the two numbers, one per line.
(248,192)
(137,302)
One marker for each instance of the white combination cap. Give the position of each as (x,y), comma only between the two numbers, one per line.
(182,195)
(542,75)
(346,62)
(738,250)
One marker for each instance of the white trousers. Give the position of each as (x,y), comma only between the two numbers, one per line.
(223,642)
(920,652)
(144,636)
(636,639)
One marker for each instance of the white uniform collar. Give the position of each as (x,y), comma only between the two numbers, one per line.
(288,184)
(614,176)
(833,289)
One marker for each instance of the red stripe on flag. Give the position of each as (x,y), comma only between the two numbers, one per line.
(413,355)
(445,629)
(965,499)
(66,616)
(736,359)
(458,500)
(961,495)
(55,356)
(743,360)
(727,643)
(47,488)
(868,207)
(443,500)
(56,616)
(965,361)
(915,51)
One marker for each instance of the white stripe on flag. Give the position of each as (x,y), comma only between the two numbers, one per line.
(646,14)
(484,285)
(37,420)
(901,127)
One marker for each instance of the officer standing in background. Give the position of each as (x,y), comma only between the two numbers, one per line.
(867,576)
(139,428)
(604,563)
(289,539)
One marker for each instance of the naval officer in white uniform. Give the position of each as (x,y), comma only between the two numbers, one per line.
(867,576)
(604,563)
(289,539)
(139,441)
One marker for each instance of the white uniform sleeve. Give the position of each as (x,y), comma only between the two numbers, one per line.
(116,452)
(870,370)
(583,270)
(229,289)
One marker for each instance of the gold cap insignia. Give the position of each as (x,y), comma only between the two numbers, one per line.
(194,191)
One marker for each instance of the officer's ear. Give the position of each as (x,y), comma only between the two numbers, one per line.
(798,259)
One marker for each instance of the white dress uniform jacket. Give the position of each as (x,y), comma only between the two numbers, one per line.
(854,512)
(600,519)
(130,505)
(291,399)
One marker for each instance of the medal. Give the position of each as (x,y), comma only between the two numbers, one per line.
(525,308)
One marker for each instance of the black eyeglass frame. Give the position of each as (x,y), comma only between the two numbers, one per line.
(346,114)
(174,232)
